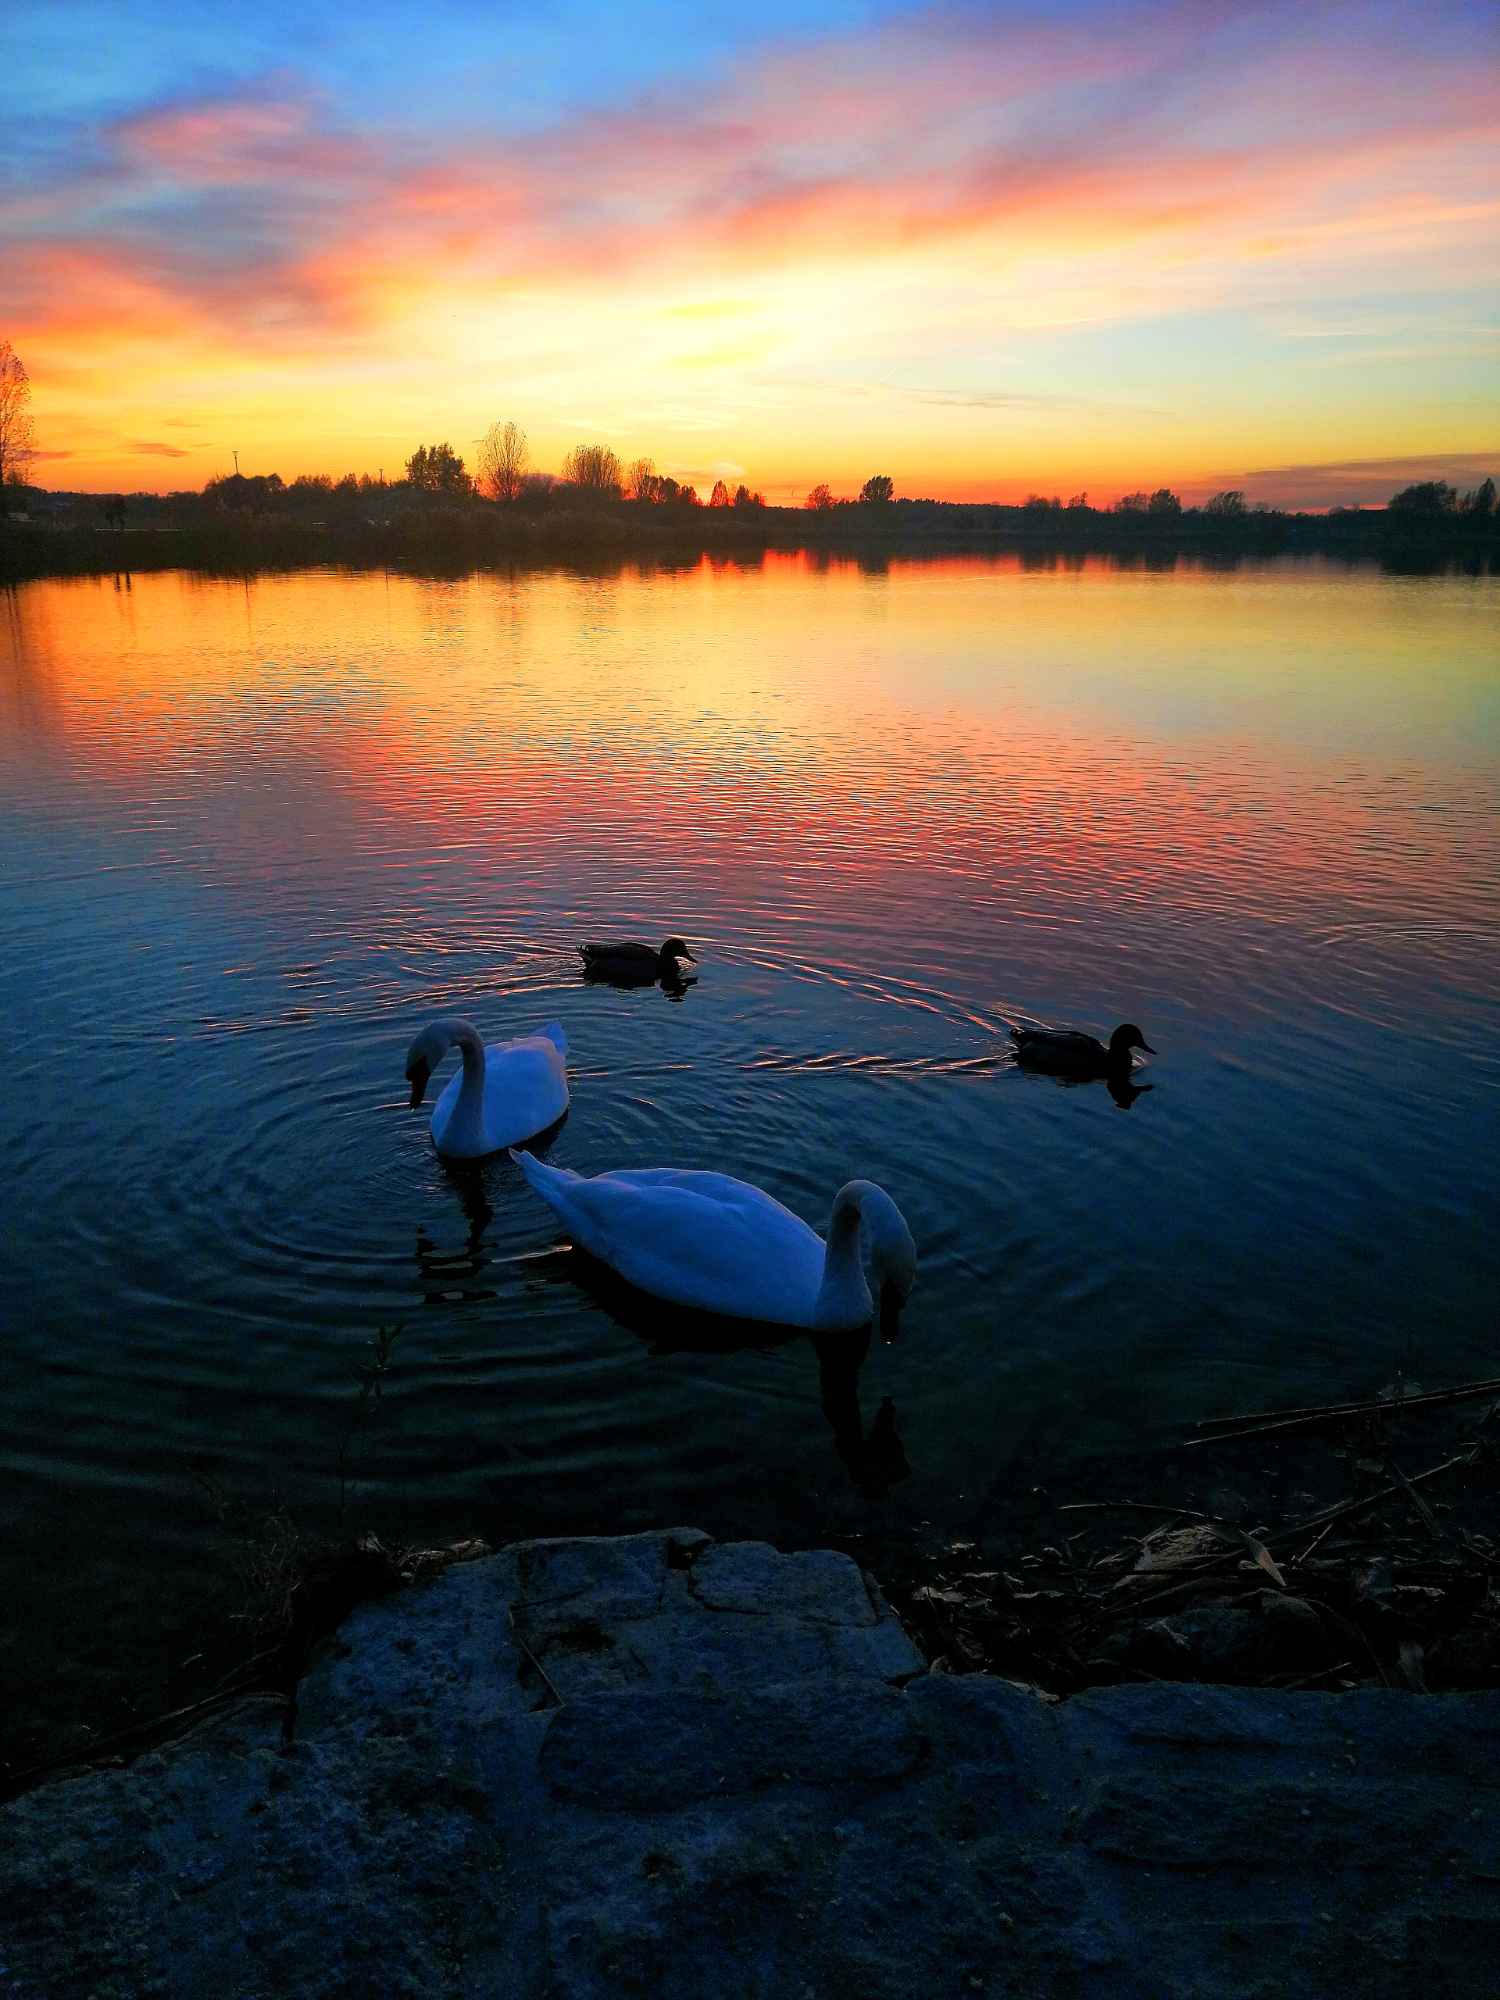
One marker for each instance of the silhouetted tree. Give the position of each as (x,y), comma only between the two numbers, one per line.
(819,501)
(594,470)
(1226,506)
(877,492)
(1036,503)
(1430,500)
(720,495)
(536,488)
(1480,504)
(743,497)
(17,432)
(642,481)
(1164,501)
(311,486)
(1078,504)
(687,496)
(437,469)
(503,453)
(1132,503)
(112,511)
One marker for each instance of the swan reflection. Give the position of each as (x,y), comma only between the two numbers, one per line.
(875,1458)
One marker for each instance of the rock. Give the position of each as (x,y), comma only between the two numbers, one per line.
(670,1767)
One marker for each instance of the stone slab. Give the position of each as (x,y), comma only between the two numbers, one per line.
(669,1767)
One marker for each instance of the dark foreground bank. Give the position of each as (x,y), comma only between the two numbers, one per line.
(666,1765)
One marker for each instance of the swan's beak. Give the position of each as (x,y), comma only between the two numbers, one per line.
(891,1303)
(417,1077)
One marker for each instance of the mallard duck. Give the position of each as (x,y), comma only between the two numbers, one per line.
(722,1246)
(631,963)
(504,1093)
(1066,1052)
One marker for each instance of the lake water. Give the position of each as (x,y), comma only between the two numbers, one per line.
(256,834)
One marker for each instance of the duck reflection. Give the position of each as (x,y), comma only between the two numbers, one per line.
(876,1459)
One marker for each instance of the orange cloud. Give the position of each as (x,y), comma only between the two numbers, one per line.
(932,200)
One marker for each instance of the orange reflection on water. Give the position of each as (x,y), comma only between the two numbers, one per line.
(795,734)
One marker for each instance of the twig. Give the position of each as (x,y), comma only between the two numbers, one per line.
(546,1677)
(1256,1423)
(1424,1512)
(1130,1507)
(1332,1514)
(21,1781)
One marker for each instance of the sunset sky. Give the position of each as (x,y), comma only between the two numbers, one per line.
(986,249)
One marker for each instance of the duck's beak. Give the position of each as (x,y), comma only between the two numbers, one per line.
(1147,1047)
(889,1313)
(417,1077)
(693,956)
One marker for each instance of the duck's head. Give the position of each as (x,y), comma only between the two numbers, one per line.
(675,948)
(1125,1038)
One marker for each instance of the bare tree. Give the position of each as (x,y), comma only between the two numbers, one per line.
(502,461)
(642,481)
(819,501)
(594,470)
(17,436)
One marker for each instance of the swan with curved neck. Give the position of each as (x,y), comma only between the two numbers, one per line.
(720,1245)
(504,1093)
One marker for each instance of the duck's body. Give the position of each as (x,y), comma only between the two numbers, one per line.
(1067,1052)
(504,1093)
(719,1245)
(631,963)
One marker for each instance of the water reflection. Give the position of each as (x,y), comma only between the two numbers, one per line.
(257,833)
(876,1459)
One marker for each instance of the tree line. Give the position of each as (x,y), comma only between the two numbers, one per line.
(593,474)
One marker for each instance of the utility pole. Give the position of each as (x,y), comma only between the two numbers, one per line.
(236,462)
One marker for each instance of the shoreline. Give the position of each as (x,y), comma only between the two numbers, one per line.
(465,540)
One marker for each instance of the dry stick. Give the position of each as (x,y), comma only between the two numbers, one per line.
(1129,1507)
(1332,1514)
(1424,1512)
(1257,1422)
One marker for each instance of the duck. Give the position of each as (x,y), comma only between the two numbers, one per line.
(504,1093)
(1066,1052)
(631,963)
(720,1245)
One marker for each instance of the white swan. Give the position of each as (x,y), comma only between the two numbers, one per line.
(723,1246)
(506,1092)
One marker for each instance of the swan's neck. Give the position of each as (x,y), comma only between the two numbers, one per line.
(471,1091)
(844,1297)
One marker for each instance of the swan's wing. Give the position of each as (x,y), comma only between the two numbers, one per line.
(698,1239)
(525,1086)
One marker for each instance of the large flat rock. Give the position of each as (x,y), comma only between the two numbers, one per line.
(664,1766)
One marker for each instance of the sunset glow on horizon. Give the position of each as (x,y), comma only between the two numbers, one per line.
(984,250)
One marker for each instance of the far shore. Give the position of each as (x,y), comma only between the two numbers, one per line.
(462,537)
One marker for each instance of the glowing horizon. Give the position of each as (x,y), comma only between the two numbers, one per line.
(983,252)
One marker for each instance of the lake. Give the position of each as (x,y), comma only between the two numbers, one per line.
(255,834)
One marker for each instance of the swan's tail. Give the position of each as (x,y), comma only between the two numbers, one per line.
(554,1033)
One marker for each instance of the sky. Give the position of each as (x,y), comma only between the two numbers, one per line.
(987,249)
